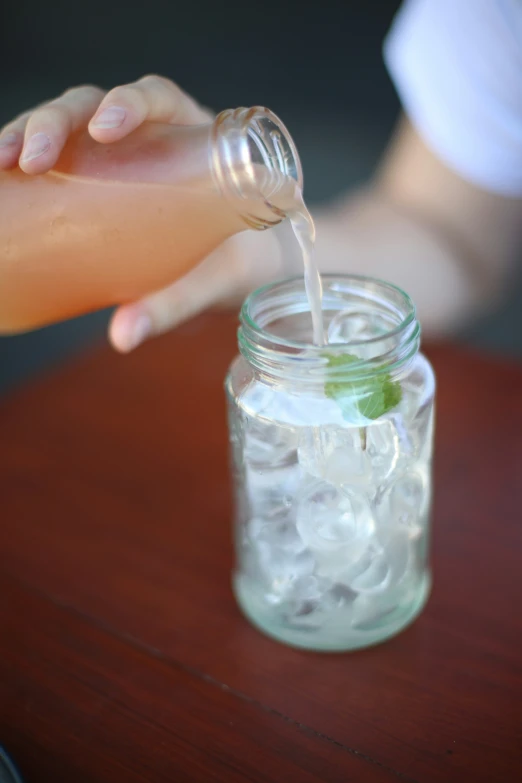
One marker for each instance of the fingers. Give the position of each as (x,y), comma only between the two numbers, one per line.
(239,265)
(36,138)
(11,141)
(161,311)
(152,98)
(50,125)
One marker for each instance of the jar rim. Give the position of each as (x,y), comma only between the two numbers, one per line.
(248,319)
(284,358)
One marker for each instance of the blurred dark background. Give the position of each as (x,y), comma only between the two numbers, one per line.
(318,65)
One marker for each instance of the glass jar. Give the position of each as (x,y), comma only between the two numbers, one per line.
(331,453)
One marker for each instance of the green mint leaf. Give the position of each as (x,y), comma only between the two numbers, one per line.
(371,397)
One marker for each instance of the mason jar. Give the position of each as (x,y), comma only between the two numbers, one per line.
(331,458)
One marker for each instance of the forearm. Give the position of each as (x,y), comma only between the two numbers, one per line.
(370,235)
(451,245)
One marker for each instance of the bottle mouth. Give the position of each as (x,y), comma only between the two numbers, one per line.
(256,163)
(275,335)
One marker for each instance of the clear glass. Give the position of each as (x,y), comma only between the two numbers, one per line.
(254,160)
(332,506)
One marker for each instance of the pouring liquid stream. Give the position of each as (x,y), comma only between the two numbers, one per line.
(304,230)
(286,194)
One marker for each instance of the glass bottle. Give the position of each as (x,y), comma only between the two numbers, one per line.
(113,222)
(331,453)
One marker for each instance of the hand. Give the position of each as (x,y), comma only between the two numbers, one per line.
(35,140)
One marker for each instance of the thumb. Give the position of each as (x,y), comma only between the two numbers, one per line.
(162,310)
(225,277)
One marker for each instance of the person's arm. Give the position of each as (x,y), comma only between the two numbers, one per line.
(444,210)
(441,216)
(450,244)
(418,224)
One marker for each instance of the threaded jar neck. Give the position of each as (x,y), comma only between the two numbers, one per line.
(378,319)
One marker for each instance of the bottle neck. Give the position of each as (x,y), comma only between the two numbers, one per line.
(372,321)
(247,154)
(255,164)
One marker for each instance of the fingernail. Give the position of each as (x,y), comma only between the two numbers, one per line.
(8,140)
(140,331)
(36,146)
(111,117)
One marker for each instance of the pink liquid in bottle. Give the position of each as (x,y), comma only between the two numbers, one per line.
(113,222)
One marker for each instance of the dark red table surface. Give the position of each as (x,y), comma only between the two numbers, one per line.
(123,656)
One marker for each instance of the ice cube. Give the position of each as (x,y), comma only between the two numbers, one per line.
(281,569)
(416,406)
(351,326)
(317,602)
(404,503)
(281,555)
(305,595)
(390,564)
(350,456)
(355,568)
(422,432)
(414,427)
(279,533)
(297,408)
(268,446)
(406,444)
(271,493)
(370,610)
(335,525)
(397,552)
(374,578)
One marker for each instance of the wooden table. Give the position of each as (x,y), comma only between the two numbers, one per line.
(123,656)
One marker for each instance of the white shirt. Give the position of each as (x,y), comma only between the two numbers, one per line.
(457,67)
